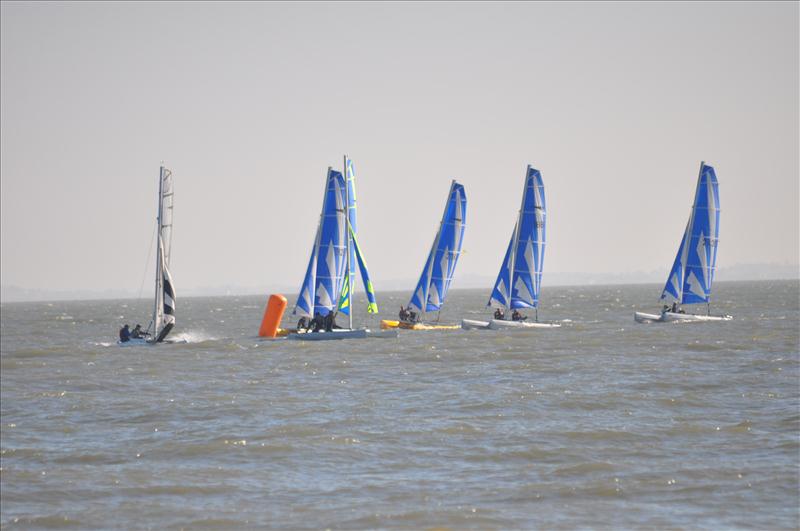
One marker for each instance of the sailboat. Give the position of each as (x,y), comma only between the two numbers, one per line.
(520,277)
(689,280)
(329,281)
(437,274)
(164,304)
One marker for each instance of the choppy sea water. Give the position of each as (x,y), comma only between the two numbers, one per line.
(603,423)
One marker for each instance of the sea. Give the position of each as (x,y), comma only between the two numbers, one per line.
(600,424)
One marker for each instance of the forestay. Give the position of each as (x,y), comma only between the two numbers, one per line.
(520,277)
(434,282)
(692,273)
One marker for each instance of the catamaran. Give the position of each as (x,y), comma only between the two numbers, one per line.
(689,280)
(437,274)
(329,281)
(520,277)
(164,306)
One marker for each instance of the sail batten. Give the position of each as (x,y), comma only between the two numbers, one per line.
(330,275)
(437,274)
(326,267)
(519,280)
(689,281)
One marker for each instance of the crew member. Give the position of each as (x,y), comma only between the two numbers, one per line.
(317,322)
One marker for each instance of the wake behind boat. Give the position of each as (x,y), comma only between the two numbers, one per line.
(437,274)
(164,305)
(689,280)
(520,277)
(330,278)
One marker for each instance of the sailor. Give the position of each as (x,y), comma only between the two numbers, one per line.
(137,332)
(317,322)
(403,313)
(124,334)
(412,316)
(498,314)
(675,307)
(516,316)
(665,309)
(302,324)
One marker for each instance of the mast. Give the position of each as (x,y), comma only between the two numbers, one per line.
(158,252)
(347,230)
(697,193)
(515,243)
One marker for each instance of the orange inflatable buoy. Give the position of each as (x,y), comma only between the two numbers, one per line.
(272,316)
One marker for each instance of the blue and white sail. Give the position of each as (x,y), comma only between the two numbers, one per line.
(325,274)
(434,282)
(356,258)
(519,280)
(692,273)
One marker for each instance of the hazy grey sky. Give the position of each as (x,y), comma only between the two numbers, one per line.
(249,103)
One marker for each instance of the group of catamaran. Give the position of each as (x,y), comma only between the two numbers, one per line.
(329,282)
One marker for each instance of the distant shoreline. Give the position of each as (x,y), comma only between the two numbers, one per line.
(54,296)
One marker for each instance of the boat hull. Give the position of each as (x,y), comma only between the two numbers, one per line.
(138,342)
(670,317)
(472,324)
(342,334)
(500,324)
(134,342)
(387,324)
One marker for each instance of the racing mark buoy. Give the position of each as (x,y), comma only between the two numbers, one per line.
(273,314)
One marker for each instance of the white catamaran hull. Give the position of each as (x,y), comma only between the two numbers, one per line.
(343,334)
(670,317)
(471,324)
(499,324)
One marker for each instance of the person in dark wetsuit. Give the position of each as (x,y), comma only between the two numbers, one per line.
(317,322)
(124,334)
(498,314)
(403,313)
(329,322)
(516,316)
(674,307)
(302,324)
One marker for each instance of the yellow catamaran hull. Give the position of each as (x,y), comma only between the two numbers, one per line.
(388,324)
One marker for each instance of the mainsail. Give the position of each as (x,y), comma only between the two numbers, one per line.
(431,290)
(520,276)
(324,277)
(355,252)
(164,311)
(692,273)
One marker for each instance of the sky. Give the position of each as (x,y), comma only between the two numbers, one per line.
(249,103)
